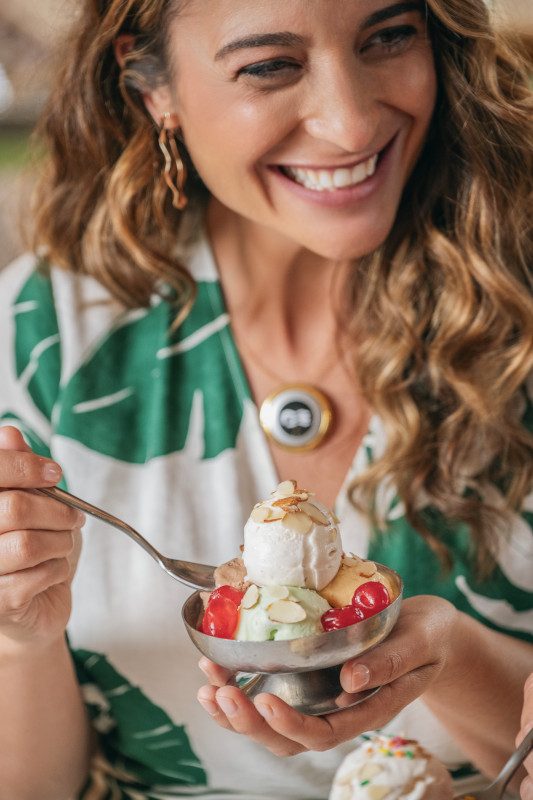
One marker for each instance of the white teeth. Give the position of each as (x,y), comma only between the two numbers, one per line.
(342,177)
(371,165)
(325,179)
(359,173)
(330,179)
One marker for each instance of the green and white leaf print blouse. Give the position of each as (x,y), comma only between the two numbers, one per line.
(160,429)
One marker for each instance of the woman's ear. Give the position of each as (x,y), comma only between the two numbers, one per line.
(160,105)
(122,45)
(159,102)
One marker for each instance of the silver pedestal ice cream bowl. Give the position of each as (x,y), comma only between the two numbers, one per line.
(303,672)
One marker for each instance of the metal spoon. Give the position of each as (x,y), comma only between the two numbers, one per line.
(497,788)
(197,576)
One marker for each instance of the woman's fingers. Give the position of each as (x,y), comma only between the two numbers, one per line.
(244,718)
(207,698)
(328,731)
(422,620)
(12,439)
(526,789)
(216,675)
(19,467)
(310,733)
(20,470)
(17,590)
(21,550)
(21,510)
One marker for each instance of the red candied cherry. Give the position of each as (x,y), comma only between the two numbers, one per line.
(371,597)
(337,618)
(227,591)
(220,618)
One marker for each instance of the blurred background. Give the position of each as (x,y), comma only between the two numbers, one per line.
(31,36)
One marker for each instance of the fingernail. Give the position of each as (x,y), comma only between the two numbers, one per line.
(82,519)
(266,711)
(209,706)
(51,472)
(228,706)
(360,678)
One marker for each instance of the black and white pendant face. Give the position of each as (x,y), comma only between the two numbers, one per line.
(296,416)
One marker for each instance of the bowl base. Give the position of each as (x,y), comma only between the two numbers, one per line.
(313,693)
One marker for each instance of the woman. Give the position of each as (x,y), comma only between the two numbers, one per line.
(356,208)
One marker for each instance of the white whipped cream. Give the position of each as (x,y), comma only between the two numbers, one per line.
(385,769)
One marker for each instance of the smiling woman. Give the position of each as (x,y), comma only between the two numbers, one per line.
(276,240)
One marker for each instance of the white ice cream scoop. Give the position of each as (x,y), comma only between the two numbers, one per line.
(291,540)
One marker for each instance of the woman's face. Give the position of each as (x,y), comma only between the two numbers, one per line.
(305,116)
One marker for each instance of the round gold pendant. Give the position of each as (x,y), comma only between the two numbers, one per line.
(296,417)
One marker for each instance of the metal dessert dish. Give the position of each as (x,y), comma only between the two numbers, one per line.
(302,672)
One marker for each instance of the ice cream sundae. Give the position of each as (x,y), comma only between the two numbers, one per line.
(293,579)
(391,768)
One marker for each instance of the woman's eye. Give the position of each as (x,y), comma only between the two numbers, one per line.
(273,69)
(390,40)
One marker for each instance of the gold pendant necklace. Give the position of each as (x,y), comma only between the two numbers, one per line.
(295,416)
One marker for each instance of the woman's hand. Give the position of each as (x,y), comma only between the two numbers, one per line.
(526,789)
(39,546)
(415,654)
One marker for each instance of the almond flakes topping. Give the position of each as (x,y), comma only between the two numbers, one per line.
(299,522)
(286,611)
(251,596)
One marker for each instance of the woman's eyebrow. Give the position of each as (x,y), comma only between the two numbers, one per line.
(260,40)
(292,39)
(389,12)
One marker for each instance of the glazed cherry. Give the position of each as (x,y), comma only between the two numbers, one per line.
(228,592)
(371,597)
(337,618)
(220,618)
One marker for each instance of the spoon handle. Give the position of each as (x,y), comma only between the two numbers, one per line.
(518,757)
(82,505)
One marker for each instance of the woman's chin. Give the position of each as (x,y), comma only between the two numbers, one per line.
(337,248)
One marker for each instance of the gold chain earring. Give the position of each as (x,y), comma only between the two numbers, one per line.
(174,172)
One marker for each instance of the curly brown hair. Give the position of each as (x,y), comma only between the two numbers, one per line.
(441,313)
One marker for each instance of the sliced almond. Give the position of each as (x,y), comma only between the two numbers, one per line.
(286,611)
(315,513)
(367,569)
(298,522)
(287,502)
(285,488)
(266,514)
(275,516)
(251,596)
(260,513)
(278,592)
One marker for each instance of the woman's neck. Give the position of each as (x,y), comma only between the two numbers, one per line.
(273,284)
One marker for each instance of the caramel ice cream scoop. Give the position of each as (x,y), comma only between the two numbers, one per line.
(353,572)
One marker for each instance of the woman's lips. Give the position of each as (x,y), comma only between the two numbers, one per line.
(353,183)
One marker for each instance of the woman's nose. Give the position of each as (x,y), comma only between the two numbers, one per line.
(344,109)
